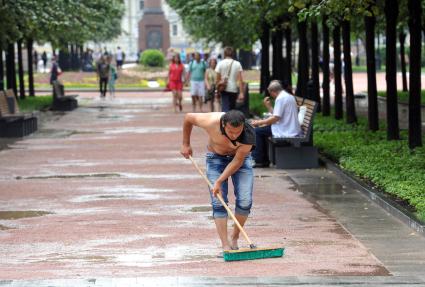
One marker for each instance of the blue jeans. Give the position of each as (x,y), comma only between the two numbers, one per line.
(260,152)
(243,181)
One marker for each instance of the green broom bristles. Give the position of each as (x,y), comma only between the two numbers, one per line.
(250,254)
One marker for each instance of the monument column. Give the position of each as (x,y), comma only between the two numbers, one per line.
(154,29)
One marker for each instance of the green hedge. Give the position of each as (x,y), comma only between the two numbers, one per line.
(152,58)
(389,165)
(403,97)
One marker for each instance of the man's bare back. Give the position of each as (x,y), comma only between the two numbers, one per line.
(217,142)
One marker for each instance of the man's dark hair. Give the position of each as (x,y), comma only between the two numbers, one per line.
(233,117)
(228,52)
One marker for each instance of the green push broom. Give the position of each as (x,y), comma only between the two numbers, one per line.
(244,253)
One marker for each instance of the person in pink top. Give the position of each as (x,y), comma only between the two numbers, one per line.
(175,83)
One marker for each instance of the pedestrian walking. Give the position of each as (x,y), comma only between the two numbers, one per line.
(55,71)
(103,75)
(120,56)
(210,82)
(44,59)
(175,81)
(196,75)
(229,75)
(113,76)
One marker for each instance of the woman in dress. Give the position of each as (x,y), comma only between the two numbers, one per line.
(175,83)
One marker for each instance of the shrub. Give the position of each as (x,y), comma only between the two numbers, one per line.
(152,58)
(389,165)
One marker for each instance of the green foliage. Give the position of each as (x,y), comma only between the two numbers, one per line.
(403,97)
(390,165)
(232,22)
(37,103)
(256,105)
(152,58)
(61,21)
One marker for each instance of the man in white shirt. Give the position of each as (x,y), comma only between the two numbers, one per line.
(282,124)
(119,58)
(230,71)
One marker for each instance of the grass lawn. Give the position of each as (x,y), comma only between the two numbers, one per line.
(37,103)
(390,166)
(403,97)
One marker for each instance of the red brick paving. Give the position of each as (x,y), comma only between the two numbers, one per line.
(125,203)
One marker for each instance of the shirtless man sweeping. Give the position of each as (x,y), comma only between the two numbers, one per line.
(230,142)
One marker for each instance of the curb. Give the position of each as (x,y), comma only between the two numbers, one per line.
(380,199)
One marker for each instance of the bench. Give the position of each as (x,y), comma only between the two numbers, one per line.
(297,152)
(13,123)
(60,101)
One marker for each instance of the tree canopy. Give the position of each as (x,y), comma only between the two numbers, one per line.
(60,21)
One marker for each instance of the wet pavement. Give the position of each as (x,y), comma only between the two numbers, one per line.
(101,197)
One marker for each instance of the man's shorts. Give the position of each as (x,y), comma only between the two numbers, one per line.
(197,88)
(243,182)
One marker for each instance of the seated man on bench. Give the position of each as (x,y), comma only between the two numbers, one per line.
(282,123)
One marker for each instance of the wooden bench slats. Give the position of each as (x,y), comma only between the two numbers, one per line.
(11,94)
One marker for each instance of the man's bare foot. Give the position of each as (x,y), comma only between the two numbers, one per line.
(226,247)
(234,243)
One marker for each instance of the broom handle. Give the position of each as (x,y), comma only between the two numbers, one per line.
(222,202)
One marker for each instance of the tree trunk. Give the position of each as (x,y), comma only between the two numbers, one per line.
(81,48)
(265,65)
(1,71)
(348,74)
(372,96)
(339,113)
(288,44)
(30,67)
(21,71)
(315,64)
(244,57)
(278,65)
(302,60)
(391,13)
(415,126)
(10,68)
(326,107)
(402,39)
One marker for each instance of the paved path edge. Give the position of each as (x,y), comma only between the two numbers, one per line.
(379,198)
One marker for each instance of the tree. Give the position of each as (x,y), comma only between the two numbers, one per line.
(215,21)
(315,63)
(326,107)
(265,66)
(372,95)
(303,71)
(337,72)
(391,14)
(415,123)
(278,63)
(348,74)
(288,44)
(1,70)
